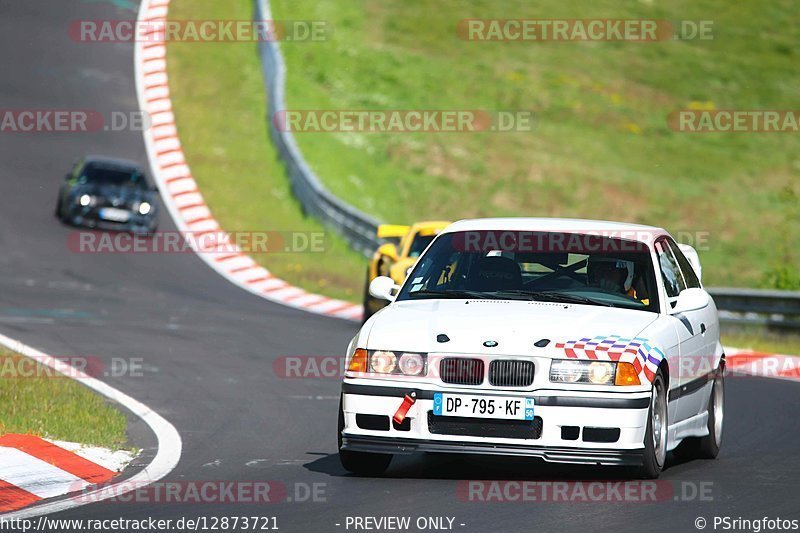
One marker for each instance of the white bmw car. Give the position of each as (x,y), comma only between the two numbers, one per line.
(573,341)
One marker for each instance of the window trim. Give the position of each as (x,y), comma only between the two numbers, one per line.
(671,301)
(678,254)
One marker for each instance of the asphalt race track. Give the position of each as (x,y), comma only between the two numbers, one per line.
(208,347)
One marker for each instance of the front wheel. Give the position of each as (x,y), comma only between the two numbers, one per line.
(360,463)
(709,445)
(655,436)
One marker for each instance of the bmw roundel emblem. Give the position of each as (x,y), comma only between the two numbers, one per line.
(490,344)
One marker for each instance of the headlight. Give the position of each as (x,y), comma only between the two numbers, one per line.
(411,364)
(591,372)
(144,208)
(85,200)
(383,362)
(601,373)
(566,371)
(388,362)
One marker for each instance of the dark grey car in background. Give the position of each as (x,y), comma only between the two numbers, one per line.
(108,193)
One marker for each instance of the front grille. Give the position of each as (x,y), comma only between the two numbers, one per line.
(483,427)
(507,373)
(459,371)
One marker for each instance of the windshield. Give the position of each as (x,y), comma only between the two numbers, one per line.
(109,176)
(514,265)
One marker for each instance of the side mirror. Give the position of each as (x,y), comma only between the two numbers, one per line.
(383,288)
(693,258)
(389,250)
(691,300)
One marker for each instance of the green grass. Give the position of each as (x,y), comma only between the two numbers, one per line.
(219,101)
(602,147)
(44,403)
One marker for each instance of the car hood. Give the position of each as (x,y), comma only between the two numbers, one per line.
(514,325)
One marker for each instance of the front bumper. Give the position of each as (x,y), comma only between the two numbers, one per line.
(555,410)
(90,218)
(553,454)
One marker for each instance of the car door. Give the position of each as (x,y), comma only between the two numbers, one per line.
(691,342)
(694,398)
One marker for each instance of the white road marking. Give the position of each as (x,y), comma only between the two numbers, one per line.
(169,440)
(112,460)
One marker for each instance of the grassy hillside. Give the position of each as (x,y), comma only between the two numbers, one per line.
(219,102)
(601,148)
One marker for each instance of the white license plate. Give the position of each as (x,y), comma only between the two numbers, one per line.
(470,406)
(115,215)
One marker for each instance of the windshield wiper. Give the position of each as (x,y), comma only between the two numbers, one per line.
(556,297)
(451,294)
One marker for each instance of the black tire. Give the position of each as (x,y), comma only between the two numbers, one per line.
(655,455)
(708,447)
(360,463)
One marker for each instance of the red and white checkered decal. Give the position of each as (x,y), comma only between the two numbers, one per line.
(644,357)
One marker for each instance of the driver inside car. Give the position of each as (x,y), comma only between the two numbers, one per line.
(615,275)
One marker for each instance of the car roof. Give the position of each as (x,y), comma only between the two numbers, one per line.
(568,225)
(112,162)
(433,224)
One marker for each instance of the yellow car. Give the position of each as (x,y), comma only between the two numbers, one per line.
(395,258)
